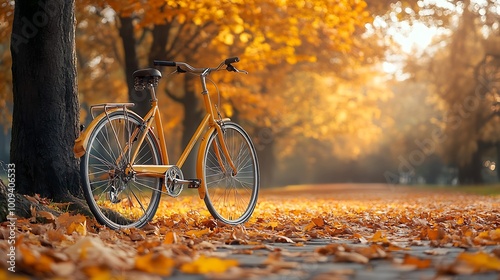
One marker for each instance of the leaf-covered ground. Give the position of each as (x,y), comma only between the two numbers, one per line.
(364,222)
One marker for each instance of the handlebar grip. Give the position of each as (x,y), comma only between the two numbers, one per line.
(164,63)
(231,60)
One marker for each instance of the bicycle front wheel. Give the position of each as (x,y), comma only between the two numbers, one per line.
(230,198)
(120,200)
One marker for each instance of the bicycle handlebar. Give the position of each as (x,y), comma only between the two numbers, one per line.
(164,63)
(184,67)
(231,60)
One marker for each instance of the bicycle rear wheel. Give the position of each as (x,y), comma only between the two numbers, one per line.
(116,199)
(230,198)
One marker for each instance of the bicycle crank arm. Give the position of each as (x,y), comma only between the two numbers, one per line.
(192,183)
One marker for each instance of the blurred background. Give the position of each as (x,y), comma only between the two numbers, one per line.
(400,92)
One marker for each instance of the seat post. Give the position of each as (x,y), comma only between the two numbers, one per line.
(152,91)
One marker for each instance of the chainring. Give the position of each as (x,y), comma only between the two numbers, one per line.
(173,189)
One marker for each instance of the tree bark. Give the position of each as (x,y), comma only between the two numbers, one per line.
(159,44)
(471,172)
(192,117)
(46,110)
(22,205)
(4,143)
(140,98)
(497,147)
(265,146)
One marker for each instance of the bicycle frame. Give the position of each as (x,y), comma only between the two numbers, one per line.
(154,117)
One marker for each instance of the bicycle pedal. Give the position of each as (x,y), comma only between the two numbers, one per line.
(194,184)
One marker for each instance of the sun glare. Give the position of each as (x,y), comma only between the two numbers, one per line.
(415,38)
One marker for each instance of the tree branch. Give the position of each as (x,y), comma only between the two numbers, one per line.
(173,96)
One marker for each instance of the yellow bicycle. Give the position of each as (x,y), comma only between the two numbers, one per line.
(125,166)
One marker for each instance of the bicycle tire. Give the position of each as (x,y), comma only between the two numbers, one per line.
(116,200)
(230,199)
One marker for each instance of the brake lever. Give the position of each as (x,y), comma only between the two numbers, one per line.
(231,68)
(241,71)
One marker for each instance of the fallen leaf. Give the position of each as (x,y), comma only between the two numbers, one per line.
(417,262)
(35,260)
(435,234)
(436,252)
(319,221)
(136,234)
(350,257)
(372,252)
(97,271)
(360,238)
(276,263)
(379,236)
(93,250)
(31,199)
(47,215)
(205,245)
(155,263)
(76,223)
(205,264)
(198,233)
(495,234)
(479,261)
(170,238)
(63,269)
(273,225)
(55,235)
(239,233)
(330,249)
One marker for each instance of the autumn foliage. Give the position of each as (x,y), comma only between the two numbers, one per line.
(360,226)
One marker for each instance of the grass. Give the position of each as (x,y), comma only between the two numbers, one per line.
(487,189)
(491,190)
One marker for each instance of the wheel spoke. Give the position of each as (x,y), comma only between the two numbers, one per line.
(231,198)
(107,187)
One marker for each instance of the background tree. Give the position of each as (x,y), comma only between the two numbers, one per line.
(262,33)
(464,99)
(316,63)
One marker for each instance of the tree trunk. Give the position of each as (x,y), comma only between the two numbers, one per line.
(471,172)
(192,117)
(46,110)
(158,46)
(497,147)
(4,143)
(265,147)
(140,98)
(23,206)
